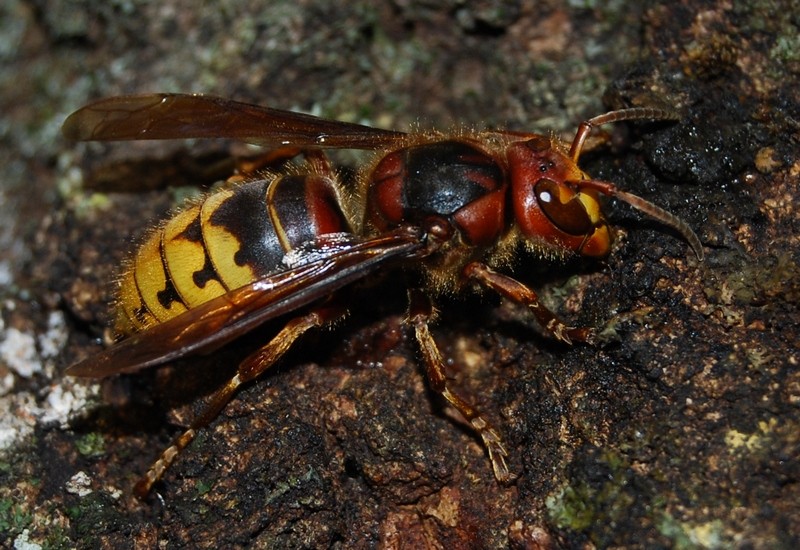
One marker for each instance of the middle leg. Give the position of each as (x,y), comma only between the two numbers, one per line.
(420,311)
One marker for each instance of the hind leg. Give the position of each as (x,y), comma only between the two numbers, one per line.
(249,369)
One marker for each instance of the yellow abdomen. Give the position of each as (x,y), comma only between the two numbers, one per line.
(231,238)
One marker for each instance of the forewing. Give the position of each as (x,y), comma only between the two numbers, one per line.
(217,322)
(176,116)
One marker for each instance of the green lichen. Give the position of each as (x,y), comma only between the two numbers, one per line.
(581,506)
(14,518)
(685,535)
(91,445)
(91,516)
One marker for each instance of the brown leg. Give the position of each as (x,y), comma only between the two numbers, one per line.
(517,292)
(420,311)
(249,369)
(248,168)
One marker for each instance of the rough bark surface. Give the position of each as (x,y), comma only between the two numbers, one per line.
(681,430)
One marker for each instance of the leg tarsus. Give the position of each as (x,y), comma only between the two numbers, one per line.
(585,335)
(420,311)
(495,448)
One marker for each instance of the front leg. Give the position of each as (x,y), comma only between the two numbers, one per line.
(521,294)
(420,312)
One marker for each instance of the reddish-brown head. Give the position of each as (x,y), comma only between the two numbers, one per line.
(549,204)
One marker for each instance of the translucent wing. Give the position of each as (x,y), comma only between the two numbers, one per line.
(327,267)
(176,116)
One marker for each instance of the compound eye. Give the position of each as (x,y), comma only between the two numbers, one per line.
(569,216)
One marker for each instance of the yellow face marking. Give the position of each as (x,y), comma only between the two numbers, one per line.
(186,260)
(591,205)
(151,278)
(599,243)
(222,245)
